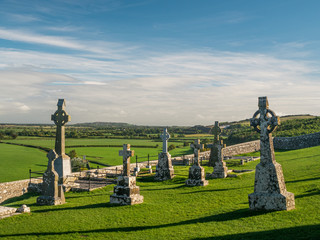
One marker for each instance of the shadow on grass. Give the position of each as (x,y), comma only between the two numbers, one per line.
(169,188)
(41,165)
(237,214)
(304,180)
(97,205)
(309,193)
(20,198)
(301,232)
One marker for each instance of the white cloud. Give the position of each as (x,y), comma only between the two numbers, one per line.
(158,88)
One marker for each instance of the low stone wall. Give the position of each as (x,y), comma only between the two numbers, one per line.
(15,188)
(242,148)
(291,143)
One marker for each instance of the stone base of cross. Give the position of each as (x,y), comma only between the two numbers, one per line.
(126,192)
(196,176)
(52,193)
(164,169)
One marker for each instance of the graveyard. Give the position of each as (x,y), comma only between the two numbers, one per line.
(173,210)
(271,197)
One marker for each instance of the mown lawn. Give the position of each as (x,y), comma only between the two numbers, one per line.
(173,211)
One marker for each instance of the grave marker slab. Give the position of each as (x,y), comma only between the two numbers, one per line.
(164,168)
(216,155)
(270,191)
(196,172)
(52,193)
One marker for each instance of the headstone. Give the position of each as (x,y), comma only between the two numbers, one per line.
(52,193)
(220,169)
(60,118)
(164,168)
(126,192)
(196,172)
(270,191)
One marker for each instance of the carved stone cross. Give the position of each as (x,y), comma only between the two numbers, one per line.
(196,149)
(216,131)
(60,118)
(165,137)
(126,153)
(265,122)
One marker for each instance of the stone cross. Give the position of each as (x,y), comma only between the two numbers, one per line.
(60,118)
(216,131)
(165,137)
(265,122)
(196,149)
(126,153)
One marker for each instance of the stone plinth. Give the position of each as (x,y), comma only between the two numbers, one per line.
(164,170)
(62,165)
(196,176)
(126,192)
(52,193)
(52,200)
(270,191)
(220,170)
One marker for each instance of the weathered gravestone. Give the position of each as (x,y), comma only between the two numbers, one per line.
(52,193)
(270,191)
(196,172)
(164,169)
(126,192)
(62,163)
(216,155)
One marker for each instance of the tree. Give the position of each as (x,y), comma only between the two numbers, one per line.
(171,147)
(72,154)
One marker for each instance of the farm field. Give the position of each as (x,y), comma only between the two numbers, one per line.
(173,211)
(17,160)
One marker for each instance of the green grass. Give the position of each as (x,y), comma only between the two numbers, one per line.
(16,161)
(19,159)
(173,211)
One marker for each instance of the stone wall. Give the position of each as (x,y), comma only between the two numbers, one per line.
(15,188)
(291,143)
(242,148)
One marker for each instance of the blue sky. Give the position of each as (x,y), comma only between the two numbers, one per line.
(158,62)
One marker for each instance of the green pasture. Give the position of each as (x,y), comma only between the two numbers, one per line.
(172,210)
(49,142)
(15,162)
(110,155)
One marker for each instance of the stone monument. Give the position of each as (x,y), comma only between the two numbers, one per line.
(196,172)
(62,163)
(164,169)
(52,193)
(270,191)
(126,192)
(216,155)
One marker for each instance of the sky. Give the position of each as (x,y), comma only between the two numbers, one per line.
(158,62)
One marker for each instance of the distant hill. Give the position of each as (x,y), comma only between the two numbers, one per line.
(103,124)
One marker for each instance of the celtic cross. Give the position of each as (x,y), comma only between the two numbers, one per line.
(265,122)
(126,153)
(216,131)
(196,149)
(165,137)
(60,118)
